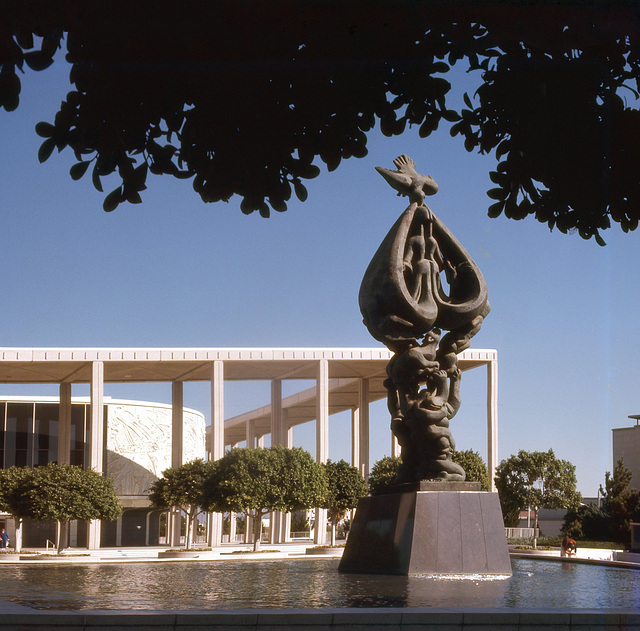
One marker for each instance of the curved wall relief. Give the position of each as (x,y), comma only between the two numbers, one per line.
(139,444)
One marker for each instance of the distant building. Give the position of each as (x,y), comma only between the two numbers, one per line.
(626,445)
(138,444)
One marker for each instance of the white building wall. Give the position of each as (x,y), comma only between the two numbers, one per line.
(139,444)
(626,445)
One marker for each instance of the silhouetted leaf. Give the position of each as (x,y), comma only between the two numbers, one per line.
(112,200)
(37,60)
(79,169)
(301,191)
(46,149)
(95,178)
(45,130)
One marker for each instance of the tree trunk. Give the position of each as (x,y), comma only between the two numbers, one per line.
(61,534)
(333,533)
(191,516)
(535,528)
(257,531)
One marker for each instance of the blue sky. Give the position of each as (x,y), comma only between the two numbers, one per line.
(174,271)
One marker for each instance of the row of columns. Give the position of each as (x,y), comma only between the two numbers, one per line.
(281,434)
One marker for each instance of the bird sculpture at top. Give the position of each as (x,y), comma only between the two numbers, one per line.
(407,181)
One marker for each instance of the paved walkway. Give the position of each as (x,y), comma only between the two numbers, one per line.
(297,550)
(226,552)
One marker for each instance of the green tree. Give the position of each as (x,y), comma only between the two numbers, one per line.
(172,93)
(10,479)
(620,503)
(61,493)
(258,481)
(587,521)
(345,486)
(474,467)
(182,487)
(383,473)
(537,480)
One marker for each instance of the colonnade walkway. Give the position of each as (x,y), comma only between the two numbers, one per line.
(343,378)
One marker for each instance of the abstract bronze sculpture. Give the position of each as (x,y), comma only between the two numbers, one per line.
(406,306)
(420,284)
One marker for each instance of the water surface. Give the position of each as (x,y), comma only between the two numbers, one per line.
(309,583)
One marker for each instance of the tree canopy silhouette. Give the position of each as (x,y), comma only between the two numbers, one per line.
(251,98)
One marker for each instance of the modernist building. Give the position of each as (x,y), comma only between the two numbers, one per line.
(626,445)
(343,379)
(137,449)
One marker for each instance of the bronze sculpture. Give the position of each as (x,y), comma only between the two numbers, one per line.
(406,305)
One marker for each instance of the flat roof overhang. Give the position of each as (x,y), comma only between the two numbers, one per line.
(347,366)
(131,365)
(137,365)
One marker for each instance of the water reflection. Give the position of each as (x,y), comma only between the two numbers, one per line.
(309,583)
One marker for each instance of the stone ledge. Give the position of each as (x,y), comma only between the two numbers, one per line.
(327,619)
(430,485)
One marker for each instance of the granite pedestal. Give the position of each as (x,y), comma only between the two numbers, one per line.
(447,528)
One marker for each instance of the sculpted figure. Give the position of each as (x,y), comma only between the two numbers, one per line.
(403,300)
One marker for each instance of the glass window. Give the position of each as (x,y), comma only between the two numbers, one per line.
(77,434)
(19,435)
(46,433)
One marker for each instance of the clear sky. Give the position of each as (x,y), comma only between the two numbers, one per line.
(174,271)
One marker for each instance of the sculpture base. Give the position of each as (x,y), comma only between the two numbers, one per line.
(441,532)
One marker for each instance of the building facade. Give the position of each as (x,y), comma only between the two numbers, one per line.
(137,449)
(626,446)
(342,378)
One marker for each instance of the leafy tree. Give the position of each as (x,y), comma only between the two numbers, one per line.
(620,503)
(10,479)
(383,473)
(474,467)
(258,481)
(345,486)
(587,521)
(173,93)
(61,492)
(538,480)
(182,487)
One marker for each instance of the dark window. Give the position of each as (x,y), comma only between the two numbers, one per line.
(77,434)
(18,435)
(46,433)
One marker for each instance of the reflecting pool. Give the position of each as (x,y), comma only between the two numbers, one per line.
(312,583)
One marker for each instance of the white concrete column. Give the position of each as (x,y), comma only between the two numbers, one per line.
(322,438)
(492,421)
(214,537)
(177,433)
(277,438)
(363,405)
(96,441)
(217,410)
(396,450)
(355,437)
(64,424)
(277,429)
(250,430)
(177,423)
(174,526)
(286,520)
(232,526)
